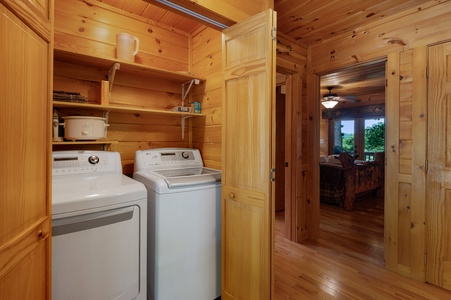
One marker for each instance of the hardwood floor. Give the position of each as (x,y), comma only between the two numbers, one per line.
(347,262)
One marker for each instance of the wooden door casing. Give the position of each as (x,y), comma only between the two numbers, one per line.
(248,157)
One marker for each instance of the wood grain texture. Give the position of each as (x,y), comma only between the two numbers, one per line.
(438,187)
(346,262)
(248,157)
(25,175)
(206,51)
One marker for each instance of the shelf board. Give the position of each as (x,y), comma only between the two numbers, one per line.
(122,109)
(98,142)
(126,67)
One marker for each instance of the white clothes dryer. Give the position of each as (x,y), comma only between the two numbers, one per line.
(99,228)
(184,228)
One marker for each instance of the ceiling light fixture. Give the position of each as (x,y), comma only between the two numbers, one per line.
(329,103)
(329,100)
(192,13)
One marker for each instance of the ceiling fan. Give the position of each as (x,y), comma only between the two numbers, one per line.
(330,100)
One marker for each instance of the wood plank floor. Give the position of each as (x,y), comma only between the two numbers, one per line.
(347,262)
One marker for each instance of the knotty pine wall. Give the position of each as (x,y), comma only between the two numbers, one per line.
(90,27)
(206,53)
(403,39)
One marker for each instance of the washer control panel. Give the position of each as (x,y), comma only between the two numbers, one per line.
(84,162)
(167,158)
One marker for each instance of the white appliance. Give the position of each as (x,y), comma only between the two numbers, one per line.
(184,229)
(99,228)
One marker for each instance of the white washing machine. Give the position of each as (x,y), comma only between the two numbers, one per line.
(184,231)
(99,228)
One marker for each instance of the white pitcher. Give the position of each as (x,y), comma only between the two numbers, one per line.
(127,47)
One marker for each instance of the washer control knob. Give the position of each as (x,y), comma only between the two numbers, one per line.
(185,155)
(93,159)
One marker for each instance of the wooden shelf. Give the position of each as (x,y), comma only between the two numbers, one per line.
(122,109)
(126,67)
(98,142)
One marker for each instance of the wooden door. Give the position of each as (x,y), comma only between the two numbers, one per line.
(438,210)
(25,216)
(248,157)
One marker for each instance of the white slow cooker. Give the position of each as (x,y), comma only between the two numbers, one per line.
(84,128)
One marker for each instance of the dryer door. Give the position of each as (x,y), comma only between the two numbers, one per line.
(96,255)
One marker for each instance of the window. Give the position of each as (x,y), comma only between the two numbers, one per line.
(361,136)
(374,137)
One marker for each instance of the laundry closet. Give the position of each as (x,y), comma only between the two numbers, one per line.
(139,99)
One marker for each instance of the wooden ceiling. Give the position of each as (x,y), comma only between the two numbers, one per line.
(311,22)
(364,82)
(308,22)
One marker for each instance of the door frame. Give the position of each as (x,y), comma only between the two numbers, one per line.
(391,117)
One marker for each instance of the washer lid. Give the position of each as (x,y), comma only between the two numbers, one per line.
(71,193)
(188,177)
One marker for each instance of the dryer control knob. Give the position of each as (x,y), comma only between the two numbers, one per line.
(93,159)
(185,155)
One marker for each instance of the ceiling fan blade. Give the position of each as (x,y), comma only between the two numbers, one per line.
(348,99)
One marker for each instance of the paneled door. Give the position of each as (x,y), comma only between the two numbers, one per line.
(438,211)
(248,158)
(25,122)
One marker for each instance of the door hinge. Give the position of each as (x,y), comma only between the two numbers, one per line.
(425,258)
(272,175)
(426,166)
(427,72)
(386,82)
(274,33)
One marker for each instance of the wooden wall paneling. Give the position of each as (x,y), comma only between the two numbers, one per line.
(128,89)
(405,121)
(311,99)
(289,149)
(280,187)
(210,134)
(405,107)
(392,163)
(293,65)
(405,151)
(206,53)
(404,221)
(138,132)
(374,40)
(431,26)
(401,34)
(92,28)
(205,42)
(311,156)
(379,38)
(293,61)
(419,129)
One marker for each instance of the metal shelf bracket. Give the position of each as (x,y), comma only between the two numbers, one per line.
(183,125)
(111,74)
